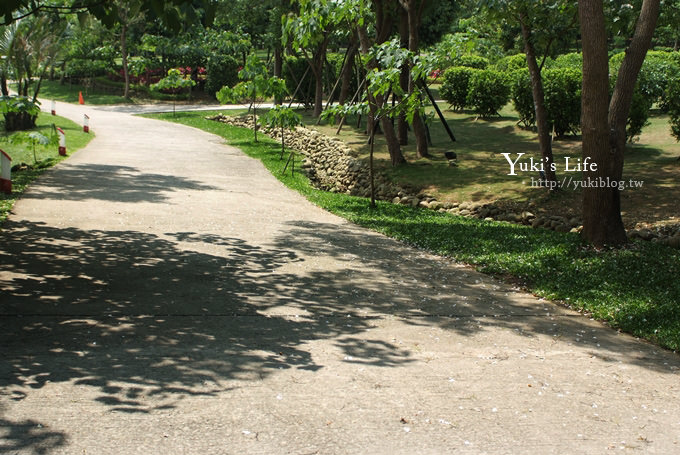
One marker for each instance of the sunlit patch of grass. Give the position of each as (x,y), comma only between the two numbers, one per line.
(46,156)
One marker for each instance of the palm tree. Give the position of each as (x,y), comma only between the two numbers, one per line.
(28,48)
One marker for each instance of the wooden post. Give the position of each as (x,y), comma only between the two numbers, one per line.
(439,112)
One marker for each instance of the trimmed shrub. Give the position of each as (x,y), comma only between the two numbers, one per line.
(471,61)
(455,86)
(562,88)
(562,92)
(489,91)
(523,97)
(638,117)
(673,105)
(511,63)
(658,68)
(571,60)
(222,71)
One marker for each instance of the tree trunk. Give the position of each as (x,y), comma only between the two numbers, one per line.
(603,121)
(622,97)
(316,63)
(542,125)
(419,131)
(3,85)
(347,71)
(396,157)
(278,66)
(402,125)
(123,51)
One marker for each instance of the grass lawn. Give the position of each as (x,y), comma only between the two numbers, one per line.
(68,93)
(634,289)
(47,156)
(481,174)
(109,94)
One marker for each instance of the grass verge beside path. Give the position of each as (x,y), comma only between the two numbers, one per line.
(634,289)
(47,156)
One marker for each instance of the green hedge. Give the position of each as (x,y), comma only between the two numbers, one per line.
(562,89)
(221,71)
(673,105)
(298,68)
(489,91)
(455,86)
(657,70)
(522,97)
(471,61)
(511,63)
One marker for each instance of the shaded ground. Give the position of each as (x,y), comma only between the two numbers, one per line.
(161,293)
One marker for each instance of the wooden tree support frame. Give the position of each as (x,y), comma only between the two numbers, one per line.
(439,112)
(291,161)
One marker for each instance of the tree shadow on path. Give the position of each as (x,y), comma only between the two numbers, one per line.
(79,182)
(144,320)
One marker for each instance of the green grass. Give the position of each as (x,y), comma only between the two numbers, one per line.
(68,93)
(481,174)
(46,156)
(106,92)
(634,289)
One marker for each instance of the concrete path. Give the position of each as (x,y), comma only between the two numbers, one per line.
(163,294)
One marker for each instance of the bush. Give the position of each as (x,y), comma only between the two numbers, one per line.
(651,87)
(638,117)
(673,97)
(221,71)
(19,112)
(571,60)
(511,63)
(81,68)
(294,69)
(562,89)
(455,86)
(488,92)
(471,61)
(523,97)
(454,50)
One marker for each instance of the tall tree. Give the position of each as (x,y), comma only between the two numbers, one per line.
(173,13)
(129,13)
(384,20)
(414,13)
(542,24)
(603,119)
(309,32)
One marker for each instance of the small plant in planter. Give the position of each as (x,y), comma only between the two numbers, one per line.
(173,83)
(286,119)
(20,112)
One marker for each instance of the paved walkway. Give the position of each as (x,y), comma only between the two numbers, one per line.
(163,294)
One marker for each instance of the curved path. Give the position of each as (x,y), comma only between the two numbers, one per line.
(163,294)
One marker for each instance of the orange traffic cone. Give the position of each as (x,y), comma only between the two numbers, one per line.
(80,98)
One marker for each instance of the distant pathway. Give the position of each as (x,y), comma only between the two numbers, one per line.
(161,293)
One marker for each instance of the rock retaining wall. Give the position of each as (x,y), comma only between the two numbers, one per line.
(332,165)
